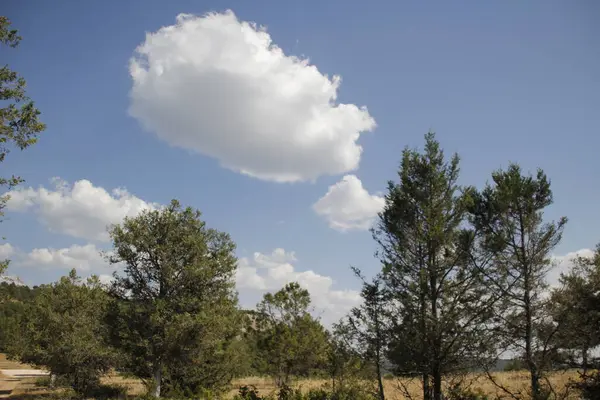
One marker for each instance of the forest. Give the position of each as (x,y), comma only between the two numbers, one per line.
(462,288)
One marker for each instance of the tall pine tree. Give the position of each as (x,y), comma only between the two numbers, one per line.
(509,218)
(439,298)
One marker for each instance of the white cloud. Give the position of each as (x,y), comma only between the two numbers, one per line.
(348,206)
(6,250)
(220,87)
(85,258)
(270,272)
(106,279)
(81,210)
(563,264)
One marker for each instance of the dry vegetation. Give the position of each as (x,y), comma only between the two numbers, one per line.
(28,388)
(513,380)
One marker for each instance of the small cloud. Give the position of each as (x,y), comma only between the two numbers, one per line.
(6,250)
(348,206)
(563,265)
(80,210)
(82,258)
(270,272)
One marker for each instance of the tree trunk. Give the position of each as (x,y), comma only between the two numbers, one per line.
(157,378)
(423,327)
(426,391)
(436,369)
(437,383)
(52,381)
(535,384)
(531,365)
(380,381)
(584,359)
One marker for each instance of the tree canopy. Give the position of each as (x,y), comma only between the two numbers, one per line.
(19,122)
(175,308)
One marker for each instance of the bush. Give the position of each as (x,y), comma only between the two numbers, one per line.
(248,393)
(459,392)
(108,392)
(589,386)
(287,393)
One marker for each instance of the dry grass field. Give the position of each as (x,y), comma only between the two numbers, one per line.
(512,380)
(27,389)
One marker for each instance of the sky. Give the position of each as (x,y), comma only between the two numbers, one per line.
(283,121)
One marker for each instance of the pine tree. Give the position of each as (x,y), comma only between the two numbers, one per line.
(292,342)
(508,216)
(366,327)
(438,296)
(575,308)
(19,123)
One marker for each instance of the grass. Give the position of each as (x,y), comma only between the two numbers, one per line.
(30,388)
(515,381)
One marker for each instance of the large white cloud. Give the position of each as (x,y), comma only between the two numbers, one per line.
(220,87)
(270,272)
(81,210)
(348,206)
(86,258)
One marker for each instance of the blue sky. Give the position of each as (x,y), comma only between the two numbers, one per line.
(497,81)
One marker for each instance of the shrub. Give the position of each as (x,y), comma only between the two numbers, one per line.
(248,393)
(589,386)
(288,393)
(460,392)
(108,392)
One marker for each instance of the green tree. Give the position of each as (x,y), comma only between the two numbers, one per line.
(13,305)
(19,124)
(366,326)
(289,338)
(437,297)
(175,314)
(509,217)
(575,308)
(62,330)
(344,362)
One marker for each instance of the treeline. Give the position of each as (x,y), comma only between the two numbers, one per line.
(462,284)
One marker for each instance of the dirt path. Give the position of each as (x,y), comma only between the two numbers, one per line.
(11,378)
(7,385)
(13,373)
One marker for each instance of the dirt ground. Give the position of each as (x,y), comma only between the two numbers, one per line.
(9,383)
